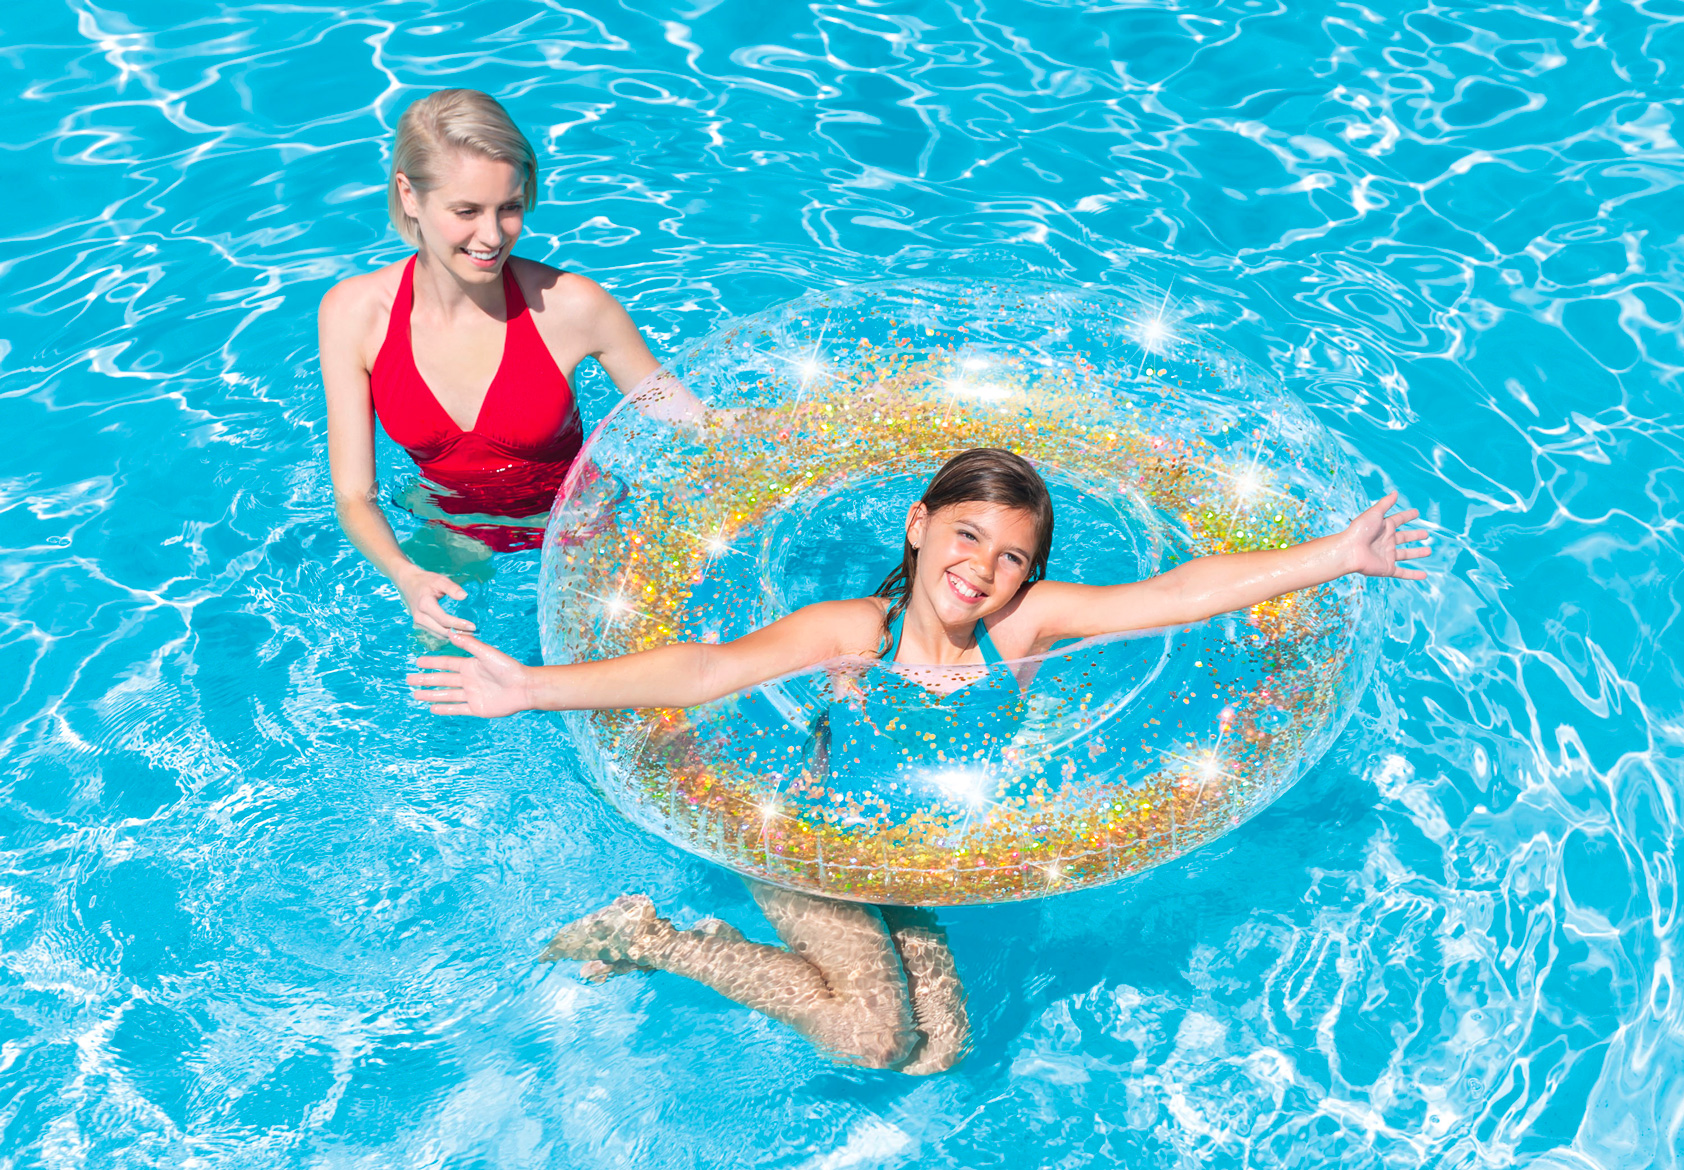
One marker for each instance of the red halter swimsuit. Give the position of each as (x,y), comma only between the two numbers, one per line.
(514,457)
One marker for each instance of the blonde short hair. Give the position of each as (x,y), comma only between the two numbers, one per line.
(449,120)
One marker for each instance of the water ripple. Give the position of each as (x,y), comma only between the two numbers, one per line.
(254,912)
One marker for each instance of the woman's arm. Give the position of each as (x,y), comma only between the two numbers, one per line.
(1207,586)
(491,684)
(618,346)
(343,325)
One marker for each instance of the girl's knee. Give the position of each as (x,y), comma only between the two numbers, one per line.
(874,1039)
(884,1048)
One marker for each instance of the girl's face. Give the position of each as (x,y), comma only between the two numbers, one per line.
(972,558)
(471,220)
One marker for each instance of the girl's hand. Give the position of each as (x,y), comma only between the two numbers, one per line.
(1372,542)
(489,685)
(421,590)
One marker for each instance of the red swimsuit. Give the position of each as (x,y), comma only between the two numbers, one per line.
(514,457)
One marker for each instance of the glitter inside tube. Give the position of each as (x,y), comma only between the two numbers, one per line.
(826,419)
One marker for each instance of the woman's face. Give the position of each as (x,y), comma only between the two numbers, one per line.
(471,220)
(972,558)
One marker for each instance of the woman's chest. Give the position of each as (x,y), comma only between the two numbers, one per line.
(458,362)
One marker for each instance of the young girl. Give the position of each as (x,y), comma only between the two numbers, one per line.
(878,986)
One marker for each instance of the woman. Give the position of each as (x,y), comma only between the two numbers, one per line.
(866,984)
(466,355)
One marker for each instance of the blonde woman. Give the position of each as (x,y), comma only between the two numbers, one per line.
(466,356)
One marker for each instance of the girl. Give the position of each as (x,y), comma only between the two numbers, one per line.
(879,986)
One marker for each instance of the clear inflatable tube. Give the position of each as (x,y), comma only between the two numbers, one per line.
(917,785)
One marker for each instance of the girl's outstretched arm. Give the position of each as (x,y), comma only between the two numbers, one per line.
(490,684)
(1207,586)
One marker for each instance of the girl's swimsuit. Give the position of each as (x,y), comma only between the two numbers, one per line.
(899,723)
(512,460)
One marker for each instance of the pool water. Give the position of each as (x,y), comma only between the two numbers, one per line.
(254,911)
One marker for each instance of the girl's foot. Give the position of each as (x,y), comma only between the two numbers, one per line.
(623,935)
(597,971)
(602,970)
(718,928)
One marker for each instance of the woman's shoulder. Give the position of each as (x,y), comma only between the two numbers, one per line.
(548,289)
(362,299)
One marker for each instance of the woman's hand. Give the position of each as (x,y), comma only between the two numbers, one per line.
(421,590)
(1373,542)
(490,684)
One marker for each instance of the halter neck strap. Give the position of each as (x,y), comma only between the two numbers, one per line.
(990,654)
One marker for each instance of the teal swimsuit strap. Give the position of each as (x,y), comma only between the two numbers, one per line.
(990,654)
(894,637)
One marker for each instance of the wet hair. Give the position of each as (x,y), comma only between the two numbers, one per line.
(447,121)
(982,475)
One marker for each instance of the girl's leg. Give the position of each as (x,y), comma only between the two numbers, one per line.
(938,998)
(839,984)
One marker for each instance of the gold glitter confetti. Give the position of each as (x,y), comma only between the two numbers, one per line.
(1118,755)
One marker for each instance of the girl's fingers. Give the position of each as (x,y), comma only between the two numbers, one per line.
(1406,517)
(453,589)
(450,709)
(471,644)
(1409,574)
(1382,503)
(450,662)
(1413,534)
(1410,554)
(449,678)
(439,695)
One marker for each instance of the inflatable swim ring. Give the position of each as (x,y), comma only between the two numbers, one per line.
(1105,757)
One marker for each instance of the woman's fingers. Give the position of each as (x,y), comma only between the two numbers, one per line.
(1406,516)
(451,622)
(446,621)
(438,695)
(450,709)
(1412,535)
(1409,574)
(1409,554)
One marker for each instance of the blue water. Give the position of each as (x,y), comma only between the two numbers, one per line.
(256,912)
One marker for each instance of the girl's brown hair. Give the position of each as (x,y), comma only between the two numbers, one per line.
(982,475)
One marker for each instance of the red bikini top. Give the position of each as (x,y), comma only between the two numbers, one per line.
(514,457)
